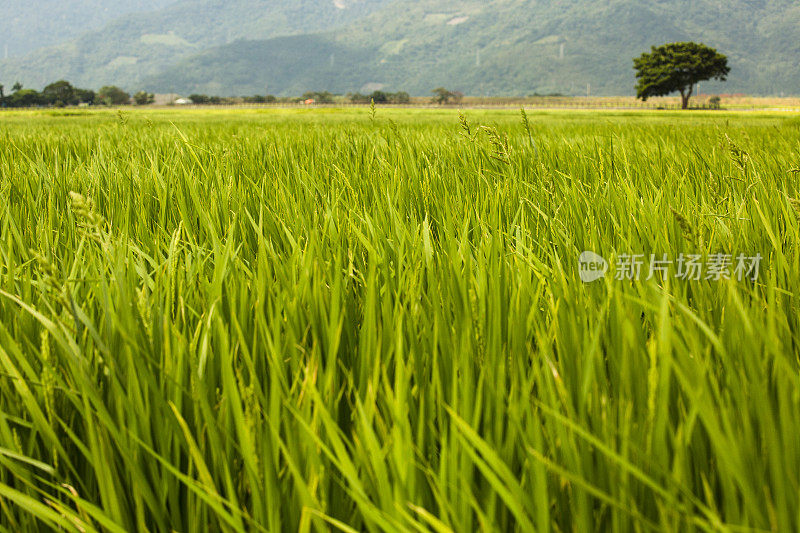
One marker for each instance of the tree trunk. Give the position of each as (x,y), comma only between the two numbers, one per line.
(686,94)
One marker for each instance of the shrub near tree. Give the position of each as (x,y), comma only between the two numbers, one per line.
(144,98)
(380,97)
(677,67)
(260,99)
(112,95)
(204,99)
(85,96)
(25,98)
(401,97)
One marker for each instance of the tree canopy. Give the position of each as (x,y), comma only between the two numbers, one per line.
(144,98)
(112,95)
(677,67)
(445,96)
(58,94)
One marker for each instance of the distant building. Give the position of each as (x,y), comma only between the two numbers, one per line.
(165,98)
(183,101)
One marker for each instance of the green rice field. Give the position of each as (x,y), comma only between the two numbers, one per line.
(378,320)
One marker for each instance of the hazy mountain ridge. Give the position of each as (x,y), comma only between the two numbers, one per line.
(510,47)
(142,44)
(26,25)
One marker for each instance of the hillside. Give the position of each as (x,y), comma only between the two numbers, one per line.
(142,44)
(26,25)
(506,47)
(498,47)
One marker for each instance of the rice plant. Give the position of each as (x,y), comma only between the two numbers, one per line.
(373,321)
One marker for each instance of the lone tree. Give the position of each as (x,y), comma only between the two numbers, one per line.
(678,67)
(442,96)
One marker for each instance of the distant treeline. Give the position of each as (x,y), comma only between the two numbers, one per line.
(318,97)
(380,97)
(62,93)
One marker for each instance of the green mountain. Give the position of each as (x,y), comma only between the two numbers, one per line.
(509,47)
(493,47)
(142,44)
(26,25)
